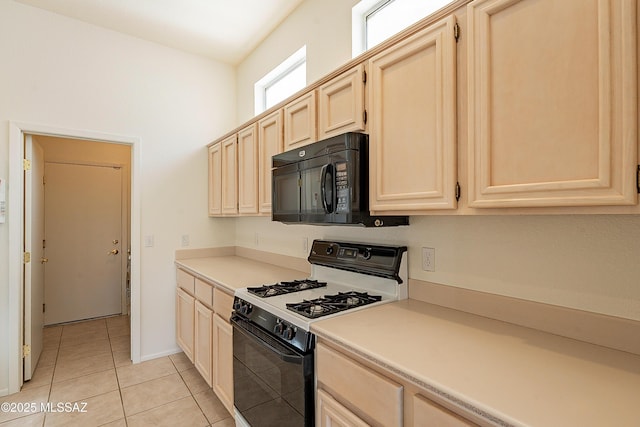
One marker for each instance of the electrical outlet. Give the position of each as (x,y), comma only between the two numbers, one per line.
(185,240)
(305,245)
(148,241)
(257,239)
(429,259)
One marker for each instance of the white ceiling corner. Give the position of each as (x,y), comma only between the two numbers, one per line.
(225,30)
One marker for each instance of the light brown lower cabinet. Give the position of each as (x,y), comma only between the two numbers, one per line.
(351,393)
(330,413)
(223,361)
(185,305)
(204,333)
(203,340)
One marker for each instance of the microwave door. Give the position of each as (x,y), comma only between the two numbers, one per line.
(286,194)
(317,201)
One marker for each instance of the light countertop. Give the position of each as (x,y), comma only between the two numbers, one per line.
(511,374)
(233,272)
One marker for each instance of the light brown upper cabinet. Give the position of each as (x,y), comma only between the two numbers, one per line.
(229,175)
(552,103)
(215,180)
(412,138)
(270,143)
(300,121)
(248,170)
(341,104)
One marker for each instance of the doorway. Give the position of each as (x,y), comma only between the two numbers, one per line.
(83,141)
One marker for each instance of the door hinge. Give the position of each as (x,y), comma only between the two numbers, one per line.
(638,179)
(364,77)
(456,32)
(27,257)
(43,308)
(364,117)
(457,191)
(26,164)
(26,350)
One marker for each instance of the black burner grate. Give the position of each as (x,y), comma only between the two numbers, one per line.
(330,304)
(285,287)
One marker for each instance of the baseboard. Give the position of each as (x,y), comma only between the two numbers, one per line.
(609,331)
(161,354)
(4,392)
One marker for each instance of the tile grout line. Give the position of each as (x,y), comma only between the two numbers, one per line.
(115,369)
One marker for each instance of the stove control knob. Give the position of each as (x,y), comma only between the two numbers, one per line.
(246,308)
(329,250)
(367,253)
(236,305)
(279,328)
(288,333)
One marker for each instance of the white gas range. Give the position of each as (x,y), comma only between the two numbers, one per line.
(272,324)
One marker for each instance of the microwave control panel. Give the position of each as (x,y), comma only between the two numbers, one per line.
(343,198)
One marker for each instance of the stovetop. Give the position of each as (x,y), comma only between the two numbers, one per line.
(344,277)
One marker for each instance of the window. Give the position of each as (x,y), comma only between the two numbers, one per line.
(374,21)
(284,80)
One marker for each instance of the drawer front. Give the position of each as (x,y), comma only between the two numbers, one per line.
(428,413)
(185,281)
(204,293)
(376,397)
(222,304)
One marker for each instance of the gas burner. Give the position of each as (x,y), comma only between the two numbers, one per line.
(330,304)
(285,287)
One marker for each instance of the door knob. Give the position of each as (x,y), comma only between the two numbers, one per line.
(115,242)
(113,252)
(43,260)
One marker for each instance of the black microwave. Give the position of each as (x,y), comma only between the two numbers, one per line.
(326,183)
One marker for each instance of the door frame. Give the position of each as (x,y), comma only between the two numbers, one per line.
(15,217)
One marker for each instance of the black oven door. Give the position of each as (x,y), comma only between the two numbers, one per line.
(272,382)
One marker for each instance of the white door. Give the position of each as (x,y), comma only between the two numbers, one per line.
(33,244)
(83,220)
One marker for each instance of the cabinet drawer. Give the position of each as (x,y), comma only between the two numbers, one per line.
(204,293)
(222,304)
(428,413)
(377,398)
(185,281)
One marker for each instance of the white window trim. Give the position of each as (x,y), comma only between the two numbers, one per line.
(359,14)
(275,75)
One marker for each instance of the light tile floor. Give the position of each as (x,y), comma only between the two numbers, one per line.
(88,362)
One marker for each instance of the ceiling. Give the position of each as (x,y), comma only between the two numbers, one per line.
(225,30)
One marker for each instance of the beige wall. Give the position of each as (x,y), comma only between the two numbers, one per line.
(61,73)
(323,25)
(587,262)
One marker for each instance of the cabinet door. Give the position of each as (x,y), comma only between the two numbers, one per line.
(330,413)
(427,413)
(215,180)
(185,304)
(223,361)
(374,396)
(270,143)
(202,345)
(341,104)
(248,170)
(229,176)
(412,140)
(552,103)
(300,121)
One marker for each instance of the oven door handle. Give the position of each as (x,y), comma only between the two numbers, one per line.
(262,338)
